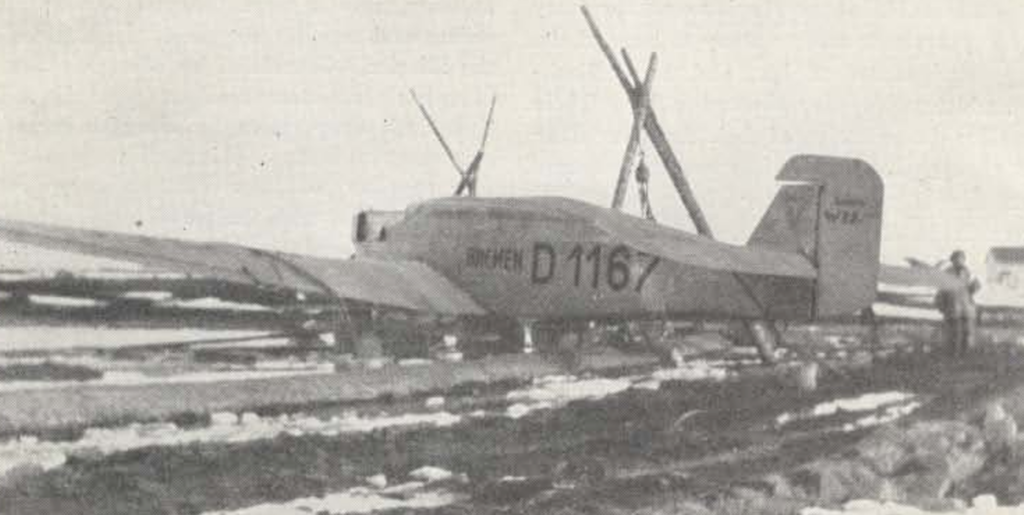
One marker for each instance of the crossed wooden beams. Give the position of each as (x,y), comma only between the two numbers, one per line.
(638,93)
(467,184)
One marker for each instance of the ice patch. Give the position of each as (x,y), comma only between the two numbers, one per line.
(355,500)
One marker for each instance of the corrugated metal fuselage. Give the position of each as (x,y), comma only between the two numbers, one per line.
(544,258)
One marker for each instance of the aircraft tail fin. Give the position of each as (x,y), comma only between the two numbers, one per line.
(833,215)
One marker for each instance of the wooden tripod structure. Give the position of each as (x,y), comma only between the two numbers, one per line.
(638,94)
(761,332)
(467,183)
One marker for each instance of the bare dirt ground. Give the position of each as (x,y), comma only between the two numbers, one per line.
(683,447)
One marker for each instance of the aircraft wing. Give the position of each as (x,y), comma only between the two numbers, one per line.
(402,284)
(918,276)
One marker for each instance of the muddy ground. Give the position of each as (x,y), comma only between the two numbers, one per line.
(681,448)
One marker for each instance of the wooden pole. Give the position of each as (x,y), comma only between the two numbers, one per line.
(643,92)
(468,182)
(437,133)
(760,330)
(654,131)
(626,84)
(668,157)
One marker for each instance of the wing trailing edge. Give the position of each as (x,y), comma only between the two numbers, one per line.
(402,284)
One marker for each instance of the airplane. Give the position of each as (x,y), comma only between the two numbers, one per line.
(553,263)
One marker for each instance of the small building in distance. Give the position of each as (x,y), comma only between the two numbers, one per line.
(1004,269)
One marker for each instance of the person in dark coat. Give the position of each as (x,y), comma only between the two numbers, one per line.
(958,308)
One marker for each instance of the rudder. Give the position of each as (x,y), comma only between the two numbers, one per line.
(834,217)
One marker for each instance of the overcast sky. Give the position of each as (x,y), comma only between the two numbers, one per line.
(271,123)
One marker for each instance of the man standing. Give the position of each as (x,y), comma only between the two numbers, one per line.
(957,306)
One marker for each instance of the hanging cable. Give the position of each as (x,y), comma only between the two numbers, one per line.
(643,176)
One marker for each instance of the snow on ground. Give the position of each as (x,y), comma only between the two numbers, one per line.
(893,405)
(544,393)
(122,377)
(557,391)
(225,427)
(891,310)
(52,338)
(888,414)
(155,296)
(213,303)
(903,289)
(356,500)
(980,505)
(994,295)
(69,302)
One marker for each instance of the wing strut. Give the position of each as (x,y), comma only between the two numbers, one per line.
(343,306)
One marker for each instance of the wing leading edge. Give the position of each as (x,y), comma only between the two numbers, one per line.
(401,284)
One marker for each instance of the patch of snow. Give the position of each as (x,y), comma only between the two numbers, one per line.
(403,489)
(434,402)
(649,384)
(890,414)
(355,500)
(51,338)
(414,362)
(377,480)
(130,274)
(866,402)
(224,427)
(127,377)
(904,289)
(519,410)
(693,371)
(893,401)
(430,474)
(562,390)
(292,364)
(224,418)
(155,296)
(70,302)
(891,310)
(982,505)
(992,295)
(214,303)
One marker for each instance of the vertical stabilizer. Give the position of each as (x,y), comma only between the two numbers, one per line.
(834,217)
